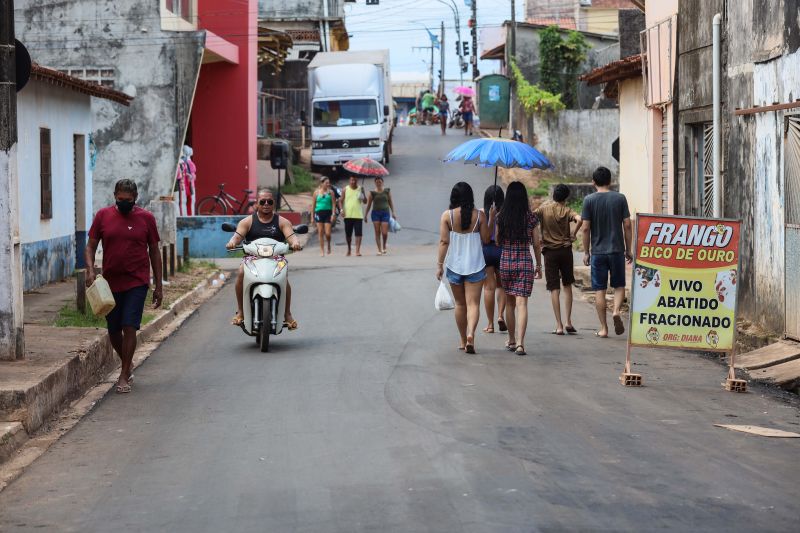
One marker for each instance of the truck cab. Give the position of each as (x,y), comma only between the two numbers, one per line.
(350,109)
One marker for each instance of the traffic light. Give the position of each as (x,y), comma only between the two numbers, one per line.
(464,67)
(458,49)
(465,47)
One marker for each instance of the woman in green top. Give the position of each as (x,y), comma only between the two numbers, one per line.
(380,201)
(322,203)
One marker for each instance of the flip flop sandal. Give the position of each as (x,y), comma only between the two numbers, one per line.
(571,330)
(291,326)
(237,320)
(597,334)
(123,389)
(520,350)
(469,348)
(511,346)
(556,332)
(501,325)
(619,327)
(488,329)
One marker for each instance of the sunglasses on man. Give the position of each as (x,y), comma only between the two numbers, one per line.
(267,201)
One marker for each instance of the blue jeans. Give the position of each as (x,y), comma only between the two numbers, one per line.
(459,279)
(605,264)
(380,216)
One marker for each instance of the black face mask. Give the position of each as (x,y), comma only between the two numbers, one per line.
(125,206)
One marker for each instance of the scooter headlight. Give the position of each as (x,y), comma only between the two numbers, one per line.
(265,250)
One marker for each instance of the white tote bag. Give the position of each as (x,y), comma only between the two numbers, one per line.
(444,300)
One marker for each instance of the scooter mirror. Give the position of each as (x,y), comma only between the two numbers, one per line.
(227,226)
(302,229)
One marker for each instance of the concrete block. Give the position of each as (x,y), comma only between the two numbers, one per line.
(12,436)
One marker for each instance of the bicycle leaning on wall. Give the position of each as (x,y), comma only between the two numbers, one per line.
(226,204)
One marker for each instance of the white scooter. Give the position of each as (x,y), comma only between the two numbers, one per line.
(265,273)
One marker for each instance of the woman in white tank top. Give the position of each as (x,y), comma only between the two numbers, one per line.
(462,232)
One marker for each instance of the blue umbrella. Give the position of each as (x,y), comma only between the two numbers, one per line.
(497,152)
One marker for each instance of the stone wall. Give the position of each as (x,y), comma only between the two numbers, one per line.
(576,142)
(159,68)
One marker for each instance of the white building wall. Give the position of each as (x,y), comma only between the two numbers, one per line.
(48,245)
(634,181)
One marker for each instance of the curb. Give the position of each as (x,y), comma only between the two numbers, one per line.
(18,449)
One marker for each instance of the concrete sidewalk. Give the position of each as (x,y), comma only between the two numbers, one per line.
(61,364)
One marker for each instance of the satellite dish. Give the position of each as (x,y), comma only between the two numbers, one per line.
(23,61)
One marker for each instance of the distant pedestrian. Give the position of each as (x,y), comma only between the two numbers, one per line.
(467,108)
(427,106)
(607,241)
(462,231)
(555,218)
(380,201)
(492,289)
(444,113)
(516,226)
(130,249)
(351,203)
(323,202)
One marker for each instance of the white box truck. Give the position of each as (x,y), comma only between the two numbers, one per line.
(351,108)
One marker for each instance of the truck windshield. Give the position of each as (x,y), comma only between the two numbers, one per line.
(334,113)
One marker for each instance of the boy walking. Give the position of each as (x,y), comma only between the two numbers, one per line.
(607,240)
(555,218)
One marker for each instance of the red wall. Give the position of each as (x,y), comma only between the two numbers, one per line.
(224,110)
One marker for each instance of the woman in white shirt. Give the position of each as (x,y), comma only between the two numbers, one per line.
(463,230)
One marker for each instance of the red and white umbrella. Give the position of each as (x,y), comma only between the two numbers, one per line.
(364,166)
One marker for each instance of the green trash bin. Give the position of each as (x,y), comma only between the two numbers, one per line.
(493,100)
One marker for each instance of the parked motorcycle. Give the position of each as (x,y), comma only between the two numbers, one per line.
(456,120)
(265,274)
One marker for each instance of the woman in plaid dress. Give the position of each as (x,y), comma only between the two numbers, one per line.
(516,226)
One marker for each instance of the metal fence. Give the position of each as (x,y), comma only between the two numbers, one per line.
(279,114)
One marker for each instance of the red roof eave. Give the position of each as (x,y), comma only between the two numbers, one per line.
(60,79)
(625,68)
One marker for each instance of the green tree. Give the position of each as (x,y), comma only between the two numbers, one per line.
(560,61)
(550,66)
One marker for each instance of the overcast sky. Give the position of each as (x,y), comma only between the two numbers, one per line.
(400,25)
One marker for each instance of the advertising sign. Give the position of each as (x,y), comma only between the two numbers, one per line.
(684,283)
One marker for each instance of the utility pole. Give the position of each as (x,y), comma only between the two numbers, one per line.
(430,70)
(475,72)
(513,56)
(513,30)
(441,61)
(12,339)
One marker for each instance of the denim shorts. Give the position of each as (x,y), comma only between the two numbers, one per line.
(605,264)
(467,117)
(381,216)
(128,309)
(323,216)
(459,279)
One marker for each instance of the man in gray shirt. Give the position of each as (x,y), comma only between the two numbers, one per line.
(607,239)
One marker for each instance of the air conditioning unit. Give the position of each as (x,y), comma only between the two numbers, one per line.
(586,3)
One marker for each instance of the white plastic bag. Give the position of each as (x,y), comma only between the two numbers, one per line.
(394,225)
(444,300)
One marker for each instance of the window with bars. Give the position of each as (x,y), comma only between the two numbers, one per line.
(792,168)
(702,170)
(101,76)
(181,8)
(45,174)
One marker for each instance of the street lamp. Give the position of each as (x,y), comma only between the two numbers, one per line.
(454,8)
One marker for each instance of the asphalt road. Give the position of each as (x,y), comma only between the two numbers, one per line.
(368,419)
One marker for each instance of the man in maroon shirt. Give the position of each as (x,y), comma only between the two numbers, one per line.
(130,247)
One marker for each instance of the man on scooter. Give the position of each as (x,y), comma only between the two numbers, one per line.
(263,224)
